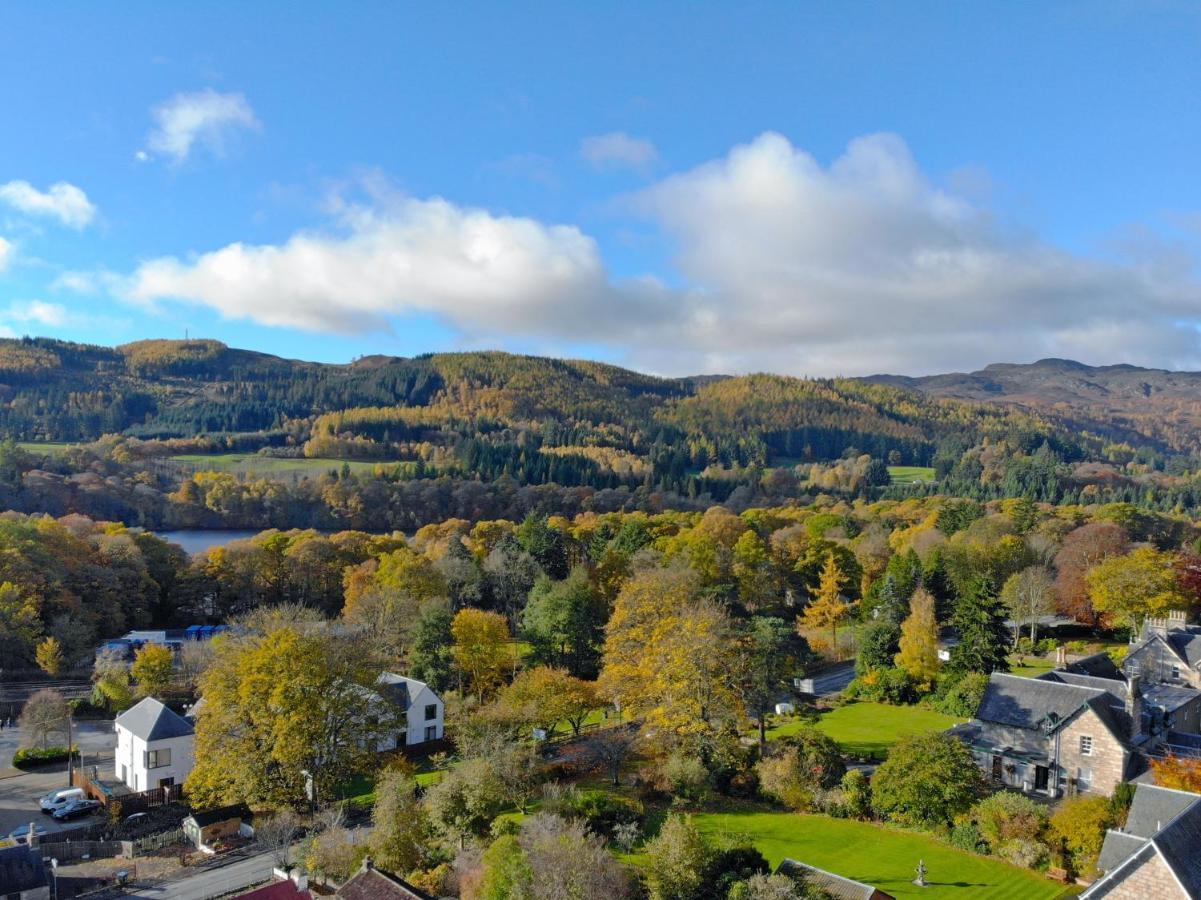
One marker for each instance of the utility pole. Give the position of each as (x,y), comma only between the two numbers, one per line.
(70,750)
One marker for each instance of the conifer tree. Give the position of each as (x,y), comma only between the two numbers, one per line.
(983,638)
(919,639)
(827,608)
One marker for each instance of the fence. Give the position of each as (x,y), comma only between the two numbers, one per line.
(67,851)
(108,791)
(153,842)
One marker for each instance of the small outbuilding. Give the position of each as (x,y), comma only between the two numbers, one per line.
(204,829)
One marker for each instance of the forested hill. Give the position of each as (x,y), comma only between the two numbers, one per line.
(394,408)
(1122,402)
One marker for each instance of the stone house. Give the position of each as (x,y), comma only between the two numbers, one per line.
(1155,855)
(1057,734)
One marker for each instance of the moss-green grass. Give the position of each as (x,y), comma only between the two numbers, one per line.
(880,856)
(869,729)
(45,448)
(910,474)
(253,464)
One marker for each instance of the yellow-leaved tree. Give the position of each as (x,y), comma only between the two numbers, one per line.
(670,654)
(919,639)
(50,656)
(1128,589)
(827,609)
(481,648)
(153,668)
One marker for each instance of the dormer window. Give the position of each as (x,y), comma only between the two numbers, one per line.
(1086,745)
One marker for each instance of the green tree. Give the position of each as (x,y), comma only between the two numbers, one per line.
(771,654)
(466,800)
(926,781)
(983,637)
(677,861)
(565,622)
(431,655)
(401,829)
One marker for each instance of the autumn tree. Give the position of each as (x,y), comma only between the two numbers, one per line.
(111,686)
(827,608)
(278,706)
(481,648)
(800,767)
(50,656)
(20,622)
(1082,549)
(543,697)
(385,595)
(153,668)
(1179,772)
(1027,595)
(44,716)
(1127,589)
(1080,824)
(918,655)
(670,654)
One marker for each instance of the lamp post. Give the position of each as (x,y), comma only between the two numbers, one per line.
(54,875)
(70,748)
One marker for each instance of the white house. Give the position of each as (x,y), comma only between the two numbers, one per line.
(421,711)
(155,746)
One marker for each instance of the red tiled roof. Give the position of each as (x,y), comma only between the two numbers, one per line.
(373,884)
(281,890)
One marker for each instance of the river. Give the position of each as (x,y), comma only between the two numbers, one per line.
(196,540)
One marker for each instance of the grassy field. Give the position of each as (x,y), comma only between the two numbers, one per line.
(1030,666)
(910,474)
(879,856)
(43,449)
(869,729)
(253,464)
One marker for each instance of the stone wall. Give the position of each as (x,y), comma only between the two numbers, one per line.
(1150,880)
(1107,760)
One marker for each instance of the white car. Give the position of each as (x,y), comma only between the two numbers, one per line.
(56,800)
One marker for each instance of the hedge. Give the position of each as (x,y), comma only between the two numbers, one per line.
(28,757)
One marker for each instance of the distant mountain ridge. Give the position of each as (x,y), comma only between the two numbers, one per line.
(1124,402)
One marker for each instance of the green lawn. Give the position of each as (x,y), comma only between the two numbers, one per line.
(864,729)
(1032,666)
(253,464)
(880,856)
(910,474)
(46,448)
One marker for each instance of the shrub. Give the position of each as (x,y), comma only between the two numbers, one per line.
(1120,802)
(1080,824)
(29,757)
(966,836)
(883,686)
(926,781)
(1007,816)
(604,813)
(1022,852)
(857,794)
(960,695)
(800,768)
(685,778)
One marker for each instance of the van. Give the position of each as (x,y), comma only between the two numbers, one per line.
(56,800)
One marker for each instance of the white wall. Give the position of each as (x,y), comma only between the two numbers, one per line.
(131,753)
(417,721)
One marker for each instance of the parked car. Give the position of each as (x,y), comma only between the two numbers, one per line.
(21,835)
(60,798)
(76,808)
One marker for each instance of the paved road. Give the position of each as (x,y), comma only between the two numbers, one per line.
(833,680)
(212,882)
(19,793)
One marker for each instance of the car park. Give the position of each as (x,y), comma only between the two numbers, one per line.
(76,808)
(56,800)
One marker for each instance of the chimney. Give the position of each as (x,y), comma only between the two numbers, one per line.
(301,880)
(1134,706)
(367,865)
(1061,656)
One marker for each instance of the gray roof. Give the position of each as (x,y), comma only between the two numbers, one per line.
(1116,686)
(1154,807)
(1035,702)
(836,886)
(1169,697)
(1099,665)
(1187,645)
(152,721)
(21,869)
(1162,821)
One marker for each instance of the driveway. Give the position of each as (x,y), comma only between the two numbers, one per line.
(20,791)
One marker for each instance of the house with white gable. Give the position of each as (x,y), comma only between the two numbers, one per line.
(421,711)
(155,746)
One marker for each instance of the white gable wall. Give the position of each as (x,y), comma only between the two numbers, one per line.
(129,763)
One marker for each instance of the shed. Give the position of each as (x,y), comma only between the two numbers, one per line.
(205,828)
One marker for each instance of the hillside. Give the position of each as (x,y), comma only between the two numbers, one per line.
(1122,402)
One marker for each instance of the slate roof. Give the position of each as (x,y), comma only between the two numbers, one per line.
(400,690)
(1032,702)
(1187,645)
(1169,697)
(21,869)
(836,886)
(372,884)
(1116,686)
(1162,822)
(1099,665)
(151,721)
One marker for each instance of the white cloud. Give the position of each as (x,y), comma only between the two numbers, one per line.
(204,118)
(481,273)
(617,150)
(36,312)
(62,201)
(783,264)
(7,251)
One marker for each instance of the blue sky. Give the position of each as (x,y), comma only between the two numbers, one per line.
(679,187)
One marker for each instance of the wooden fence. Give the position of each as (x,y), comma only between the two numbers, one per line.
(109,792)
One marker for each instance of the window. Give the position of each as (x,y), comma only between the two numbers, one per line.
(431,733)
(156,759)
(1084,779)
(1175,673)
(431,711)
(1086,745)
